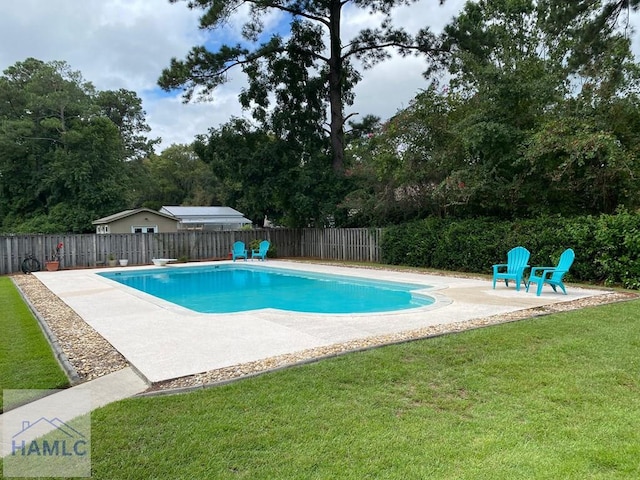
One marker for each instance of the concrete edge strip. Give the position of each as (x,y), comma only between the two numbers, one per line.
(138,373)
(307,361)
(60,356)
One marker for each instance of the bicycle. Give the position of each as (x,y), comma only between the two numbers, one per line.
(30,264)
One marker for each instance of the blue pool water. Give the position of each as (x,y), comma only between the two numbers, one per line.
(236,288)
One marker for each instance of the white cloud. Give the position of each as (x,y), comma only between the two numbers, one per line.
(114,44)
(391,85)
(127,43)
(177,122)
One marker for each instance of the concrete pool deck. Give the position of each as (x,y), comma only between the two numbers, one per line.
(163,341)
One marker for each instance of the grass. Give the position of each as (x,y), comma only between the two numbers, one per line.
(26,360)
(547,398)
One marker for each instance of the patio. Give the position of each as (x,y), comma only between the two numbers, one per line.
(163,341)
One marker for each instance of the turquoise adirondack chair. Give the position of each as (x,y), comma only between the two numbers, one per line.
(517,259)
(239,251)
(261,252)
(552,275)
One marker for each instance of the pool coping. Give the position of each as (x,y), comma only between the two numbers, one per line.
(163,342)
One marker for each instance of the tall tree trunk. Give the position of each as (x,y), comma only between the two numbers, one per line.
(336,128)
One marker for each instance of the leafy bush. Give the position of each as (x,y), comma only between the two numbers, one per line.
(607,247)
(412,243)
(255,245)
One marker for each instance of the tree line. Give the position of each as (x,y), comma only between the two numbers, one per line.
(529,108)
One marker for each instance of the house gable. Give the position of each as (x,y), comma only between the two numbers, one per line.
(141,220)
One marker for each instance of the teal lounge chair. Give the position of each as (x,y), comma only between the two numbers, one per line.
(517,259)
(552,275)
(261,253)
(239,251)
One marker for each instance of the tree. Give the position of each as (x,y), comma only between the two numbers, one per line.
(252,167)
(412,166)
(261,174)
(177,177)
(523,75)
(522,129)
(124,109)
(62,157)
(589,24)
(576,167)
(287,67)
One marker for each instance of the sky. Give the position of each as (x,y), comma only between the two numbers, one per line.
(127,43)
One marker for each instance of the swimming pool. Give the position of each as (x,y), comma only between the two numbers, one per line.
(237,288)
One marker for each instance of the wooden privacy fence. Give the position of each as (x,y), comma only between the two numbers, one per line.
(350,244)
(90,250)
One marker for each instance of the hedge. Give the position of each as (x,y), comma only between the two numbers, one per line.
(607,246)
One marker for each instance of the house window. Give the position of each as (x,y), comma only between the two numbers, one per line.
(103,229)
(136,229)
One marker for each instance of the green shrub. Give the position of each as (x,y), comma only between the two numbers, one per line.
(607,247)
(618,239)
(412,243)
(255,245)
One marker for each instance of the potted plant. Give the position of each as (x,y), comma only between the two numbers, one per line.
(53,262)
(111,259)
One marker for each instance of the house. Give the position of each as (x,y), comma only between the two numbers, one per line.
(207,218)
(140,220)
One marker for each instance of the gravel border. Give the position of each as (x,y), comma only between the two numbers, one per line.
(91,356)
(88,353)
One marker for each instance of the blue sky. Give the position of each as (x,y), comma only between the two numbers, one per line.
(126,44)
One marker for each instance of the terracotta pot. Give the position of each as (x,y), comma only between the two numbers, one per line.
(52,265)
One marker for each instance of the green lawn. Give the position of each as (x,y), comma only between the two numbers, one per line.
(26,359)
(556,397)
